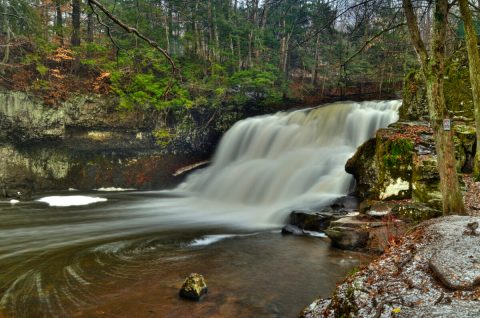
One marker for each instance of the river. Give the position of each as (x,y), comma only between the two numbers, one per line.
(125,254)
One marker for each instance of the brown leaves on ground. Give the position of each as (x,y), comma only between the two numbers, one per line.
(412,132)
(55,77)
(472,195)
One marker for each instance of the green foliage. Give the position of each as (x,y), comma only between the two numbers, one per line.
(397,150)
(163,137)
(256,84)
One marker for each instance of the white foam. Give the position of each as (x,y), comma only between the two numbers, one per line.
(214,238)
(13,201)
(315,234)
(113,189)
(71,200)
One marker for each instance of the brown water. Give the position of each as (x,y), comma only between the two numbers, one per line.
(128,257)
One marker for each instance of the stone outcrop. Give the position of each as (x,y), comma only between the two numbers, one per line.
(86,142)
(432,273)
(458,92)
(400,163)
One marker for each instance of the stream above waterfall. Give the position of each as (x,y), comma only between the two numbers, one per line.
(125,254)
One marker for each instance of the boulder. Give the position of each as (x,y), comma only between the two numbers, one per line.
(364,233)
(292,229)
(363,167)
(194,287)
(347,238)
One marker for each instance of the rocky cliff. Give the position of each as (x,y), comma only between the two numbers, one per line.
(87,143)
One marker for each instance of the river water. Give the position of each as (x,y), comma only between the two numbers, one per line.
(125,254)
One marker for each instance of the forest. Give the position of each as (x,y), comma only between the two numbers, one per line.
(277,150)
(212,52)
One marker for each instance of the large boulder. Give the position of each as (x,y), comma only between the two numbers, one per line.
(194,287)
(382,167)
(401,163)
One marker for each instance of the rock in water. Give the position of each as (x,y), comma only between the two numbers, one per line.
(292,229)
(194,287)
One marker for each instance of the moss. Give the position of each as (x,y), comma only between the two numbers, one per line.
(394,159)
(458,92)
(163,137)
(397,152)
(426,181)
(414,99)
(457,89)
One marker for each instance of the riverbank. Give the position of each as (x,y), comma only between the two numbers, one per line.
(432,272)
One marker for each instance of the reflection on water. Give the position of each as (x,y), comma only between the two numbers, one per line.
(107,259)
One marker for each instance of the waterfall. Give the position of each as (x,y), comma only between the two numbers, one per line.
(290,159)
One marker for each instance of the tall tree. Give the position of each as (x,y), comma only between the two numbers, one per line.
(433,68)
(76,13)
(474,68)
(59,21)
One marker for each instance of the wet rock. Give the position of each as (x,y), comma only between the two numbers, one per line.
(314,221)
(346,203)
(292,229)
(434,273)
(364,233)
(347,237)
(194,287)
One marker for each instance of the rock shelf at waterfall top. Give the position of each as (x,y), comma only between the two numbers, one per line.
(433,272)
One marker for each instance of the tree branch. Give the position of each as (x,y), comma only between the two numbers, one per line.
(129,29)
(373,38)
(412,24)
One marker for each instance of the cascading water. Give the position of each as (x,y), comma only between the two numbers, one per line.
(288,160)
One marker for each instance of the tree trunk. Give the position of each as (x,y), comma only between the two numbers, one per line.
(451,194)
(75,40)
(316,61)
(433,69)
(59,21)
(474,67)
(90,27)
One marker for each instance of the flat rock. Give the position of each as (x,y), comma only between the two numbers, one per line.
(456,261)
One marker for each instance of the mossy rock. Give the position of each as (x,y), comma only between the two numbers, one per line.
(426,181)
(394,159)
(364,168)
(415,105)
(194,287)
(457,89)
